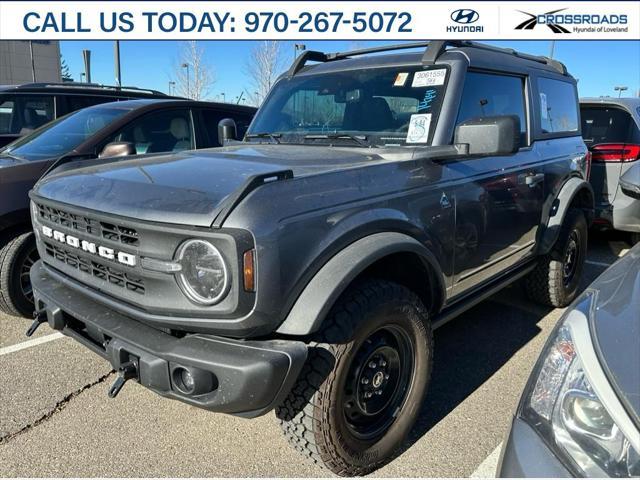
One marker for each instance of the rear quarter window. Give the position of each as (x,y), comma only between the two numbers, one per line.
(558,104)
(605,124)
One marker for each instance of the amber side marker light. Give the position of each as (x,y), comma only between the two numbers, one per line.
(249,270)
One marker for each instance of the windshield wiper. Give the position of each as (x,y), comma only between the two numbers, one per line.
(273,136)
(359,139)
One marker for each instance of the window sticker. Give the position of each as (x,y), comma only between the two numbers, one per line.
(401,79)
(543,105)
(429,78)
(419,128)
(429,96)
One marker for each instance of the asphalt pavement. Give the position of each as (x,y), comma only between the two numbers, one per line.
(57,421)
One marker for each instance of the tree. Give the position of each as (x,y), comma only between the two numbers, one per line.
(194,77)
(65,73)
(265,63)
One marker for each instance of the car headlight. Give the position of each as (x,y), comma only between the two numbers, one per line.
(586,425)
(203,276)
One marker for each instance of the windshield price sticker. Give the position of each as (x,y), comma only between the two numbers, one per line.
(429,78)
(419,128)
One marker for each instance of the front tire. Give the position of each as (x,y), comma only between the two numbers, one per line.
(362,388)
(555,280)
(16,259)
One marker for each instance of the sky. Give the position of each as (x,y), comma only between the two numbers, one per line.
(598,65)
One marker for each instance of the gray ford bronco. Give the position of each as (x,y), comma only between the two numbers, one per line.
(304,268)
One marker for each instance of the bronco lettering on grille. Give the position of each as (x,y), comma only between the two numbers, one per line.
(90,247)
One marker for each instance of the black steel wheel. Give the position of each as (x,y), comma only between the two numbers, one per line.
(360,392)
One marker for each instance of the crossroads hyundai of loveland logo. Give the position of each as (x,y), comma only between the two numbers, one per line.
(559,22)
(464,17)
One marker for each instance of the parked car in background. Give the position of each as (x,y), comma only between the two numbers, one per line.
(580,411)
(115,129)
(23,108)
(611,130)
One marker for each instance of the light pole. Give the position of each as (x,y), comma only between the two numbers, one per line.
(186,65)
(620,89)
(172,84)
(82,74)
(223,97)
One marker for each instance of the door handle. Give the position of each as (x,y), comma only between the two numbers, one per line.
(533,179)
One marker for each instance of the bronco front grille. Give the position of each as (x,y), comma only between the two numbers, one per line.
(110,231)
(96,269)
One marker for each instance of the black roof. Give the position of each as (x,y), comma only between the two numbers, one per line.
(476,53)
(151,103)
(83,88)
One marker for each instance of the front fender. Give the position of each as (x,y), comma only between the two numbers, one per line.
(576,191)
(315,301)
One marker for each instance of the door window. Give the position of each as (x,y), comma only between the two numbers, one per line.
(487,95)
(160,131)
(76,102)
(21,114)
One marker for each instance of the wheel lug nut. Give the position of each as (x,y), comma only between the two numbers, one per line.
(365,380)
(378,392)
(386,376)
(372,365)
(383,363)
(367,394)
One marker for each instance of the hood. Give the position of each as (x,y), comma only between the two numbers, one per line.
(615,326)
(189,188)
(7,161)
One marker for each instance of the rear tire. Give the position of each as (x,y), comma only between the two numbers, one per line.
(556,279)
(360,392)
(16,259)
(634,238)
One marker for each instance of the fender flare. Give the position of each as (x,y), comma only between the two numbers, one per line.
(559,209)
(317,298)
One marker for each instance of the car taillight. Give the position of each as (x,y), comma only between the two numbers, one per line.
(615,152)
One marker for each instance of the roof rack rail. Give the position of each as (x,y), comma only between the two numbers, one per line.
(98,86)
(433,50)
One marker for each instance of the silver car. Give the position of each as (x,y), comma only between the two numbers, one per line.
(611,130)
(580,411)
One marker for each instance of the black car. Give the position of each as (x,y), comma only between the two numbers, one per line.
(302,270)
(113,129)
(23,108)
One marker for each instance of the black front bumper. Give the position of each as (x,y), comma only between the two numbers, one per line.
(247,378)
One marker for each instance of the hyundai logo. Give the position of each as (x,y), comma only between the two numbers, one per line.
(465,15)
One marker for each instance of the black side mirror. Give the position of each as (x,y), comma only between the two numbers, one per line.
(630,182)
(227,130)
(118,149)
(499,135)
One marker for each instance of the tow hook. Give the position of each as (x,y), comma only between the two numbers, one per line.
(127,371)
(40,317)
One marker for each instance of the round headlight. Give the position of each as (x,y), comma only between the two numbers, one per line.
(203,276)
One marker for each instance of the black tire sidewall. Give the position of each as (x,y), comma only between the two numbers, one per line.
(11,271)
(575,222)
(353,450)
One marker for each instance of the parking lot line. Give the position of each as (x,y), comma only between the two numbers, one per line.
(30,343)
(487,469)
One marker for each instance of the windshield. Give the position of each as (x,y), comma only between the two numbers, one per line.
(65,134)
(366,107)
